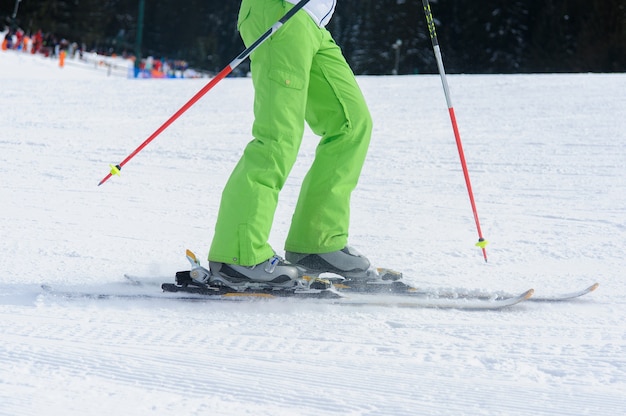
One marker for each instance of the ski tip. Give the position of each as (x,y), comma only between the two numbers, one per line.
(529,293)
(593,287)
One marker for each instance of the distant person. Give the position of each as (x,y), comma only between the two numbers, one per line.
(28,44)
(19,37)
(5,44)
(7,41)
(62,54)
(38,42)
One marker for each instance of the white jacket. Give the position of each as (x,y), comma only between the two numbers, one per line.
(320,10)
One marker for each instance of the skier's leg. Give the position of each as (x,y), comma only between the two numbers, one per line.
(336,110)
(280,73)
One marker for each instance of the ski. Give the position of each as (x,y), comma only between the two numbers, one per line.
(171,291)
(112,292)
(187,285)
(399,287)
(418,300)
(200,280)
(374,287)
(566,296)
(387,281)
(437,302)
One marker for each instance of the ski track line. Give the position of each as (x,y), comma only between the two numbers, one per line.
(141,365)
(207,381)
(212,357)
(90,362)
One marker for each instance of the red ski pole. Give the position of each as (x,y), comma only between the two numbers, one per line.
(115,169)
(433,37)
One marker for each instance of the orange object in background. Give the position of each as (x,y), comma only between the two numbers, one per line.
(4,45)
(62,59)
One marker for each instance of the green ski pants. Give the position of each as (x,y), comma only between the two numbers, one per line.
(299,74)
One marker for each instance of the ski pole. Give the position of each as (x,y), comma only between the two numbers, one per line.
(115,169)
(433,37)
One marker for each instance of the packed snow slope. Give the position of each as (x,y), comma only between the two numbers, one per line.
(546,155)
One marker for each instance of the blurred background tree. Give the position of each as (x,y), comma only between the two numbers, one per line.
(377,36)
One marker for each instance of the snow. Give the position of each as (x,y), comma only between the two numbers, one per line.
(546,157)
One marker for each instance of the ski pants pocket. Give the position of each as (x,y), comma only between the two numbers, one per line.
(287,79)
